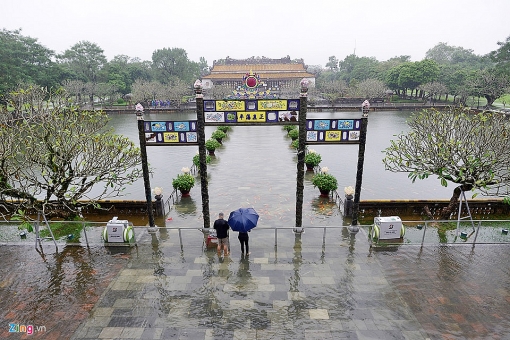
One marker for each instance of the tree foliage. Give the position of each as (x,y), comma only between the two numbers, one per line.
(24,60)
(501,56)
(489,84)
(52,155)
(472,150)
(85,60)
(170,64)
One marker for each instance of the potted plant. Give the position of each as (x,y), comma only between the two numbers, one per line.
(212,144)
(312,159)
(295,144)
(196,160)
(218,135)
(223,128)
(289,128)
(294,134)
(184,182)
(325,182)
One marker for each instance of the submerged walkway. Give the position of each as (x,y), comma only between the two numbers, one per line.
(301,290)
(309,287)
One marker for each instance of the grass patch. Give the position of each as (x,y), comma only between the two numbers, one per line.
(64,229)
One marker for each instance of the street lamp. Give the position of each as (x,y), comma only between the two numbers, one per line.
(365,108)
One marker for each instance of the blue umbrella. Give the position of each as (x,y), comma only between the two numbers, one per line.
(243,219)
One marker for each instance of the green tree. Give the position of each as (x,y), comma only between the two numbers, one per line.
(501,56)
(170,64)
(442,53)
(412,75)
(332,64)
(489,84)
(24,60)
(52,155)
(358,68)
(85,60)
(472,150)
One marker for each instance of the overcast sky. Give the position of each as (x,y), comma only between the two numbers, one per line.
(313,30)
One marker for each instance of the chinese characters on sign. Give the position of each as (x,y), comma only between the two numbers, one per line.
(332,131)
(171,133)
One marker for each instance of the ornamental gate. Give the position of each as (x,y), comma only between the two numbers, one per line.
(251,106)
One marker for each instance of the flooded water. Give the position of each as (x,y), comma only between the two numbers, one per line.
(320,285)
(256,154)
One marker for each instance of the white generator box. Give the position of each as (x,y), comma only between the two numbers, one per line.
(390,227)
(115,230)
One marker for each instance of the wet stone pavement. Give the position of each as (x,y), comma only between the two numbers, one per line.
(51,291)
(301,290)
(312,286)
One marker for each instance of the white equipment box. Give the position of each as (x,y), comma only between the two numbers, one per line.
(118,231)
(390,227)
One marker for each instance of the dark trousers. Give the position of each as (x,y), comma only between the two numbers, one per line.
(243,238)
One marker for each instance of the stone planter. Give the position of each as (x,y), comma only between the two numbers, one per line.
(184,193)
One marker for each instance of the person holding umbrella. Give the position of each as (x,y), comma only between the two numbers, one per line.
(243,220)
(243,238)
(221,226)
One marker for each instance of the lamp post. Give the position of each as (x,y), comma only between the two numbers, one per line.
(365,108)
(145,167)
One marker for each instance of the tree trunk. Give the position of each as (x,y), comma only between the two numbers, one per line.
(490,100)
(447,211)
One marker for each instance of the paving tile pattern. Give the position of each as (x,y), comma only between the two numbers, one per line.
(296,291)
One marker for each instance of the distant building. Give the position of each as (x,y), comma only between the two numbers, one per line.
(275,74)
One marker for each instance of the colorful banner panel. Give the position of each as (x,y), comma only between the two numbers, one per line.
(171,133)
(250,117)
(251,105)
(333,131)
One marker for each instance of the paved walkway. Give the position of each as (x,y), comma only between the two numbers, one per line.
(301,290)
(316,286)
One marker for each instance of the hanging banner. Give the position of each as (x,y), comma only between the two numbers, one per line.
(171,133)
(333,131)
(251,111)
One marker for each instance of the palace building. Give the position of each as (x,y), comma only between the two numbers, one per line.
(274,74)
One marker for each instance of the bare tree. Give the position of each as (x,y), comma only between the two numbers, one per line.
(146,91)
(176,92)
(220,91)
(460,147)
(371,88)
(52,160)
(332,90)
(75,88)
(433,89)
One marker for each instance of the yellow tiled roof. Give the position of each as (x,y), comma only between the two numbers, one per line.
(258,68)
(263,76)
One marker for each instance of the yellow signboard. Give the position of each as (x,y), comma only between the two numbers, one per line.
(276,105)
(251,117)
(171,137)
(230,105)
(333,136)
